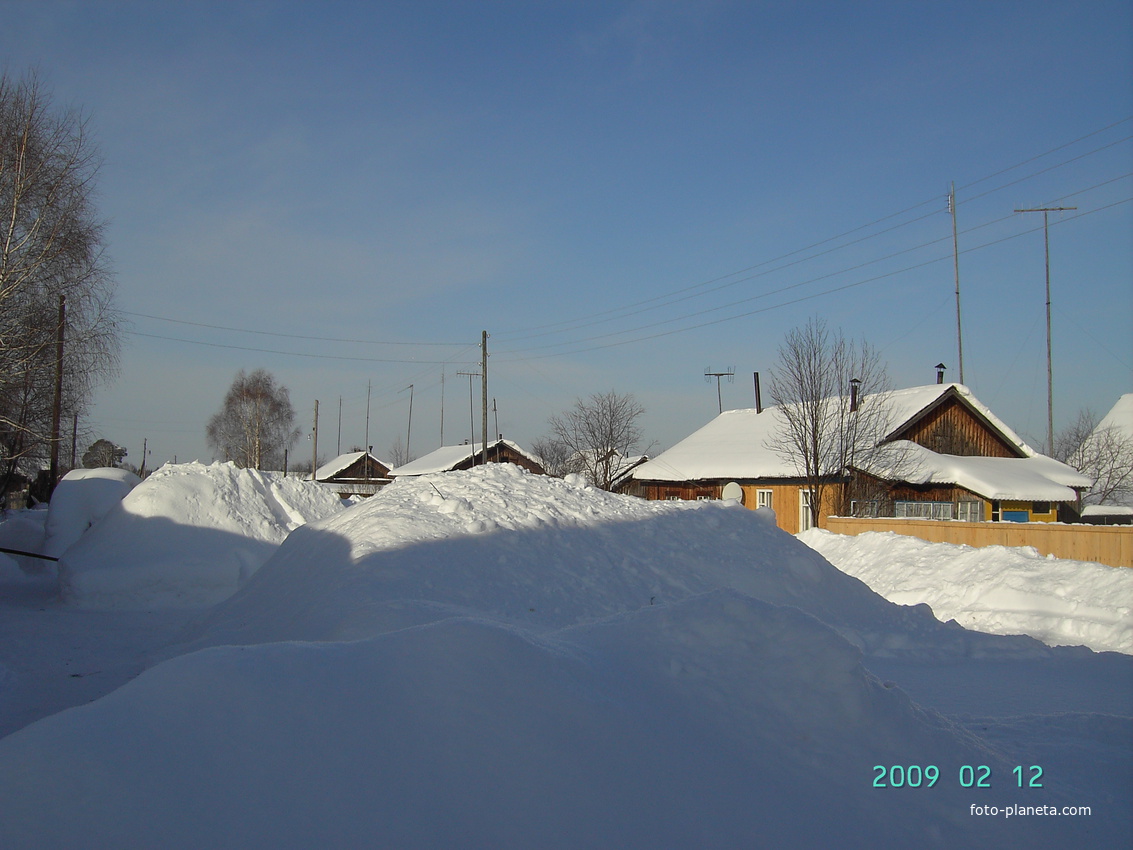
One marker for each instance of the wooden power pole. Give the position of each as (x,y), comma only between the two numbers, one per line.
(484,394)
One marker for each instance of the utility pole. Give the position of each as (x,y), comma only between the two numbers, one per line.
(956,264)
(730,375)
(442,404)
(366,442)
(339,425)
(315,443)
(484,393)
(471,414)
(1049,368)
(409,431)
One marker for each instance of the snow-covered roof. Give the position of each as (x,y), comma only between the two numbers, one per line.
(1107,510)
(447,458)
(1026,479)
(343,461)
(738,444)
(1119,418)
(730,446)
(903,406)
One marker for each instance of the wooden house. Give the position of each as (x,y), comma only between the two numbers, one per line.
(354,474)
(465,456)
(944,455)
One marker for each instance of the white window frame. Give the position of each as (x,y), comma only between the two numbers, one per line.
(764,498)
(806,521)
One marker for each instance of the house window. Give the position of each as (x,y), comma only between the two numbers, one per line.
(1040,508)
(923,510)
(970,511)
(806,521)
(865,507)
(763,498)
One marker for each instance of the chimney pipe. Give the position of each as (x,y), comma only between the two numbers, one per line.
(758,400)
(854,384)
(940,367)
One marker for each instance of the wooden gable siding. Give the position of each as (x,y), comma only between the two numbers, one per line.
(503,454)
(953,428)
(358,471)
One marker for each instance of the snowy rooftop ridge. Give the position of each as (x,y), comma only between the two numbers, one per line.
(447,457)
(343,461)
(737,444)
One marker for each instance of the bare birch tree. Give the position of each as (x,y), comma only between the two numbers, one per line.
(596,433)
(255,424)
(51,247)
(1103,454)
(832,394)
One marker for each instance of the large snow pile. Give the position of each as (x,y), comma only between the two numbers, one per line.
(189,535)
(24,532)
(495,659)
(81,498)
(993,589)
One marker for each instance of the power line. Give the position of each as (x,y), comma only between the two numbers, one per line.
(289,353)
(288,336)
(688,292)
(800,299)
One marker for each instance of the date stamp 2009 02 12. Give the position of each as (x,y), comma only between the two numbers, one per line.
(969,776)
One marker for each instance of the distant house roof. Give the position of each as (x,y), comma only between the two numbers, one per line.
(448,458)
(343,462)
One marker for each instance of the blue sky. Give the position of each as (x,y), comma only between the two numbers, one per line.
(622,194)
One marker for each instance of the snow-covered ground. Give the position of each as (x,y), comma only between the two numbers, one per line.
(495,659)
(994,589)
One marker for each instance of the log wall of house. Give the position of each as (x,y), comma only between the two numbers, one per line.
(953,429)
(785,500)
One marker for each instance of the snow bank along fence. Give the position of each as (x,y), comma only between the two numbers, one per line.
(1104,544)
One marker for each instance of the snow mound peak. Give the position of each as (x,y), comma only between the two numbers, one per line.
(545,554)
(189,535)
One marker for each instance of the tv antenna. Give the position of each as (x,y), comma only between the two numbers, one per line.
(730,374)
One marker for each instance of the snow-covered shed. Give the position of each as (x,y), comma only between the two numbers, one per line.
(949,457)
(465,456)
(357,473)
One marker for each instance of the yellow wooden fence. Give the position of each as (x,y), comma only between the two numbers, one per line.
(1104,544)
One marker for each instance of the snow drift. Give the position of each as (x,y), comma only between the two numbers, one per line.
(189,535)
(495,659)
(993,589)
(81,498)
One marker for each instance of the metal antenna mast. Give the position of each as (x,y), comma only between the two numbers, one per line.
(730,375)
(1049,370)
(956,263)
